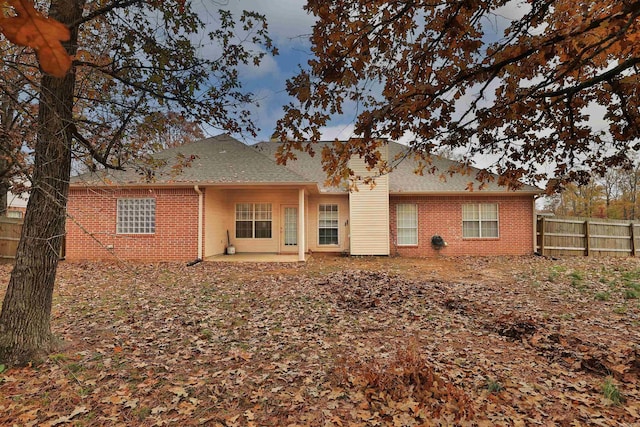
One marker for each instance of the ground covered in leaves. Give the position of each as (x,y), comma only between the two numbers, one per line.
(339,342)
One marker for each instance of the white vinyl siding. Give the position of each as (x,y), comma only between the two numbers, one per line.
(407,224)
(253,220)
(328,220)
(480,220)
(136,216)
(369,210)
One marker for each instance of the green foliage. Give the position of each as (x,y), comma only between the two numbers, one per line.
(2,368)
(610,391)
(58,357)
(494,386)
(603,296)
(620,310)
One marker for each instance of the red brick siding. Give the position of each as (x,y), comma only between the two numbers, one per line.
(91,226)
(443,215)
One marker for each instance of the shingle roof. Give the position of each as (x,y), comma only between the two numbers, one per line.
(402,179)
(305,165)
(220,159)
(225,160)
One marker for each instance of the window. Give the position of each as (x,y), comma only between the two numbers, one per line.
(480,220)
(253,220)
(136,216)
(328,225)
(407,223)
(14,214)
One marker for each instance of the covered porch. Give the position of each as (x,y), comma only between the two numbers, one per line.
(263,223)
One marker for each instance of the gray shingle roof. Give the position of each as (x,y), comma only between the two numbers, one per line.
(225,160)
(402,179)
(305,165)
(220,159)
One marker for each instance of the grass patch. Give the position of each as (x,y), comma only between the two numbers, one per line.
(610,391)
(620,310)
(494,386)
(577,280)
(603,296)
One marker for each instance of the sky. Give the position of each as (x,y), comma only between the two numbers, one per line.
(289,27)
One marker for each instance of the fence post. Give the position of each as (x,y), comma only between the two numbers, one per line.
(632,227)
(542,225)
(587,239)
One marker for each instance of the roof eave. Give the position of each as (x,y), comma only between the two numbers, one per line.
(310,185)
(465,193)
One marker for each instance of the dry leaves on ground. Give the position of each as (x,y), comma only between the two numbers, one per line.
(337,342)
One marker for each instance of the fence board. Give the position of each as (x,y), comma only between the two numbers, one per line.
(587,236)
(10,229)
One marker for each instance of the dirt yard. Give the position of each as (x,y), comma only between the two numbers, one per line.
(339,342)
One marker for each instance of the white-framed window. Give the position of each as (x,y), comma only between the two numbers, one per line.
(253,220)
(328,219)
(14,214)
(136,216)
(480,220)
(407,224)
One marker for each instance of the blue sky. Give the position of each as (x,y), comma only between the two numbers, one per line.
(289,27)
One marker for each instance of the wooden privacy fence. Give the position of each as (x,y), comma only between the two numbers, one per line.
(587,237)
(10,229)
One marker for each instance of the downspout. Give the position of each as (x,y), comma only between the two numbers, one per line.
(535,224)
(200,212)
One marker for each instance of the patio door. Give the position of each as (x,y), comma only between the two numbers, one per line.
(289,234)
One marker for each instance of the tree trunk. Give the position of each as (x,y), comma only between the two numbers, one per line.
(4,188)
(25,332)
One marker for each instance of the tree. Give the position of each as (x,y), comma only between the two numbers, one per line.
(629,183)
(17,117)
(458,73)
(147,64)
(588,200)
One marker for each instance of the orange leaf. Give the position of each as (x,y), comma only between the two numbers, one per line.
(30,28)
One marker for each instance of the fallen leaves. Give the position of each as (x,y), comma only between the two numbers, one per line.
(352,342)
(30,28)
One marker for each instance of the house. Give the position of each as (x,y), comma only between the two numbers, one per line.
(16,205)
(234,191)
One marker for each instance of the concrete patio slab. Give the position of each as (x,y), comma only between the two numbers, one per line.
(254,257)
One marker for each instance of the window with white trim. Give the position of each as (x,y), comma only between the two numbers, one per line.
(480,220)
(407,224)
(136,216)
(253,220)
(14,214)
(328,219)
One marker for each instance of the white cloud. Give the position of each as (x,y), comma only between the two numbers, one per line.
(286,18)
(268,66)
(341,132)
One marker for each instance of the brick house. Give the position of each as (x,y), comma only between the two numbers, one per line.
(231,189)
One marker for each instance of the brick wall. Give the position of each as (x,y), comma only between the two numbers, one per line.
(443,215)
(91,226)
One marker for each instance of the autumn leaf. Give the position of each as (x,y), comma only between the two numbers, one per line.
(30,28)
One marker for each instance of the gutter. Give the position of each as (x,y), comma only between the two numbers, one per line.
(200,212)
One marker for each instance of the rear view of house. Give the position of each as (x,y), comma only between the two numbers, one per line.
(234,193)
